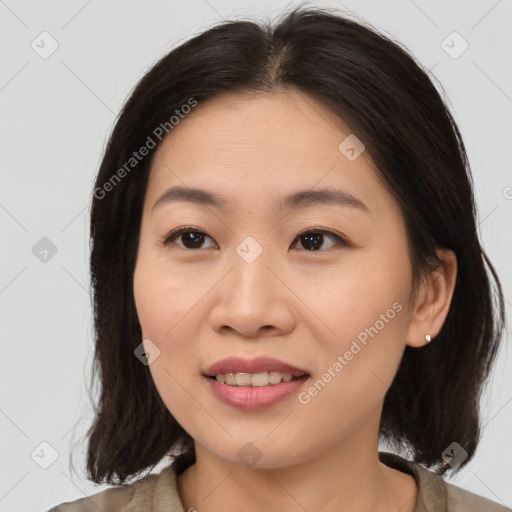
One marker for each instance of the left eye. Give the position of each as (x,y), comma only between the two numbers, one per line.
(314,239)
(311,240)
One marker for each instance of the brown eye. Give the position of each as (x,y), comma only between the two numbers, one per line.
(191,238)
(314,239)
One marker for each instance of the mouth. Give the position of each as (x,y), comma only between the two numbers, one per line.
(252,385)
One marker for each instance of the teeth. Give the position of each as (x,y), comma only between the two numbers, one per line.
(254,379)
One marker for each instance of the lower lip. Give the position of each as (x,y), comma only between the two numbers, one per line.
(251,399)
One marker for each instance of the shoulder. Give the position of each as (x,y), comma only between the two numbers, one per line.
(154,492)
(435,494)
(462,500)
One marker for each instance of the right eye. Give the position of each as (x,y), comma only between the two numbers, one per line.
(193,239)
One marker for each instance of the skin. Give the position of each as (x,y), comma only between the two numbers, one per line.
(302,306)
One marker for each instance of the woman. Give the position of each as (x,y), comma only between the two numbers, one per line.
(286,271)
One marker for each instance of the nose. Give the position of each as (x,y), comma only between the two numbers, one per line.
(253,299)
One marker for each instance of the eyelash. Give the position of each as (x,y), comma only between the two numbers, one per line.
(340,241)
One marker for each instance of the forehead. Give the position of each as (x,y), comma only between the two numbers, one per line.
(254,121)
(254,147)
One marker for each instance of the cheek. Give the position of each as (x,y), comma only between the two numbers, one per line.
(163,295)
(356,370)
(367,289)
(164,304)
(367,317)
(165,311)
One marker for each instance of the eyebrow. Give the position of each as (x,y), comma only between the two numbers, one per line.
(300,199)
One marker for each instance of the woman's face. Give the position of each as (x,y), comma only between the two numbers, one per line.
(246,282)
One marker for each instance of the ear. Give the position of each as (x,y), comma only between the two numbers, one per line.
(433,300)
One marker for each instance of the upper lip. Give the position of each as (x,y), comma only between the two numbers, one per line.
(258,365)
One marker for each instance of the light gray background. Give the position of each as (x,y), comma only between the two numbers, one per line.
(56,114)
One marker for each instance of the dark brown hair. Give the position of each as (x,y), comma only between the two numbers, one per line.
(376,87)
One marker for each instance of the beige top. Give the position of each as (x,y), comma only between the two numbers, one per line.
(158,493)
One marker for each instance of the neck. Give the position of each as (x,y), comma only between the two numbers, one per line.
(345,478)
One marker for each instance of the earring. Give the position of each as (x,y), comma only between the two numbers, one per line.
(428,338)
